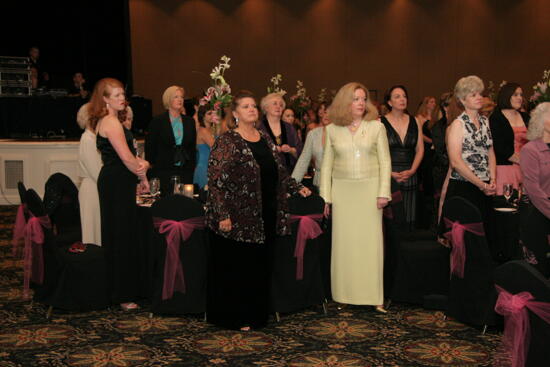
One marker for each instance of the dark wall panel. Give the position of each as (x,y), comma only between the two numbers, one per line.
(424,44)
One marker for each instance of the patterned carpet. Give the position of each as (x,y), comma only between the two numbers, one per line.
(350,337)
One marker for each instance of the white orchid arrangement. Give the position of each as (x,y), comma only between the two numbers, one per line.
(541,89)
(275,85)
(219,95)
(322,97)
(300,102)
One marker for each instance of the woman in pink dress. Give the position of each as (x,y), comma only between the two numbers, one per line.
(508,127)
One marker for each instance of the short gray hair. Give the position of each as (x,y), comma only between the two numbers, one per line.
(468,84)
(536,124)
(265,101)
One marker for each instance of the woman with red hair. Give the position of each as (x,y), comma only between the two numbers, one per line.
(117,190)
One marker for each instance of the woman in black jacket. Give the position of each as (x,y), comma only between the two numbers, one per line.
(170,143)
(508,127)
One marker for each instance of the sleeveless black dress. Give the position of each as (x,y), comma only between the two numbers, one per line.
(402,157)
(117,200)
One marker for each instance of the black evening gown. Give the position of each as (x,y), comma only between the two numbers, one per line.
(117,200)
(240,272)
(402,157)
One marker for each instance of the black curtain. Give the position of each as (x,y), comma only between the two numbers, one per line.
(92,37)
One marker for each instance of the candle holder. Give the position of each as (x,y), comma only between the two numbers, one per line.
(188,190)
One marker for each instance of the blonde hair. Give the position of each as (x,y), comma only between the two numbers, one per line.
(82,117)
(423,110)
(169,94)
(339,112)
(536,124)
(468,84)
(265,101)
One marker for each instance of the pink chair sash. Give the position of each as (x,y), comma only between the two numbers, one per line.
(33,254)
(175,233)
(308,228)
(514,308)
(456,236)
(18,230)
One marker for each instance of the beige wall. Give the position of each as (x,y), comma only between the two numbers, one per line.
(425,44)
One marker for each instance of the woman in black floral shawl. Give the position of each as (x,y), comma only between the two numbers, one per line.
(246,208)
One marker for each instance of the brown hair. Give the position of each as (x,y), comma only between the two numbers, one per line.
(241,95)
(454,109)
(98,108)
(339,112)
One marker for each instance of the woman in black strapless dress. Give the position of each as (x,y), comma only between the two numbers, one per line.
(117,191)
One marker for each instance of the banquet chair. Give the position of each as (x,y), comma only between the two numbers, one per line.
(61,202)
(297,280)
(519,276)
(189,255)
(20,221)
(51,266)
(415,266)
(72,281)
(471,292)
(534,232)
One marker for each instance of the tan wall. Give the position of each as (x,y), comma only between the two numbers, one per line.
(424,44)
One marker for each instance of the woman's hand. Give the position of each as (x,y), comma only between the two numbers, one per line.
(489,189)
(406,174)
(225,225)
(144,186)
(326,211)
(514,158)
(305,192)
(143,166)
(397,176)
(381,202)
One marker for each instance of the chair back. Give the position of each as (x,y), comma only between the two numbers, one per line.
(34,203)
(471,297)
(177,207)
(192,255)
(519,276)
(297,280)
(22,191)
(61,203)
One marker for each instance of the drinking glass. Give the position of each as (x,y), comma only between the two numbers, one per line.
(174,180)
(507,190)
(154,185)
(179,189)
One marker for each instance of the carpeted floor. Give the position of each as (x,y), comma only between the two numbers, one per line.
(350,337)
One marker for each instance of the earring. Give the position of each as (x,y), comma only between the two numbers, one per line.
(108,105)
(237,121)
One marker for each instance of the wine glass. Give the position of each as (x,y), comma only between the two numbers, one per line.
(507,190)
(154,185)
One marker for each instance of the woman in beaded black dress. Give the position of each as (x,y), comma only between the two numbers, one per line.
(406,150)
(117,191)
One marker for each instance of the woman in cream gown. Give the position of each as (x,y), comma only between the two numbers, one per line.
(355,179)
(90,164)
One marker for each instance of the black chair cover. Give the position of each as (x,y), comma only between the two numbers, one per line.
(193,257)
(61,202)
(519,276)
(472,298)
(287,293)
(422,269)
(535,237)
(52,266)
(22,191)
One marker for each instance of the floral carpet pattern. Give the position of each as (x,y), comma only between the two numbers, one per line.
(350,336)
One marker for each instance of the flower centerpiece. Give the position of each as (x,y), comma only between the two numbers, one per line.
(541,90)
(300,102)
(218,96)
(274,87)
